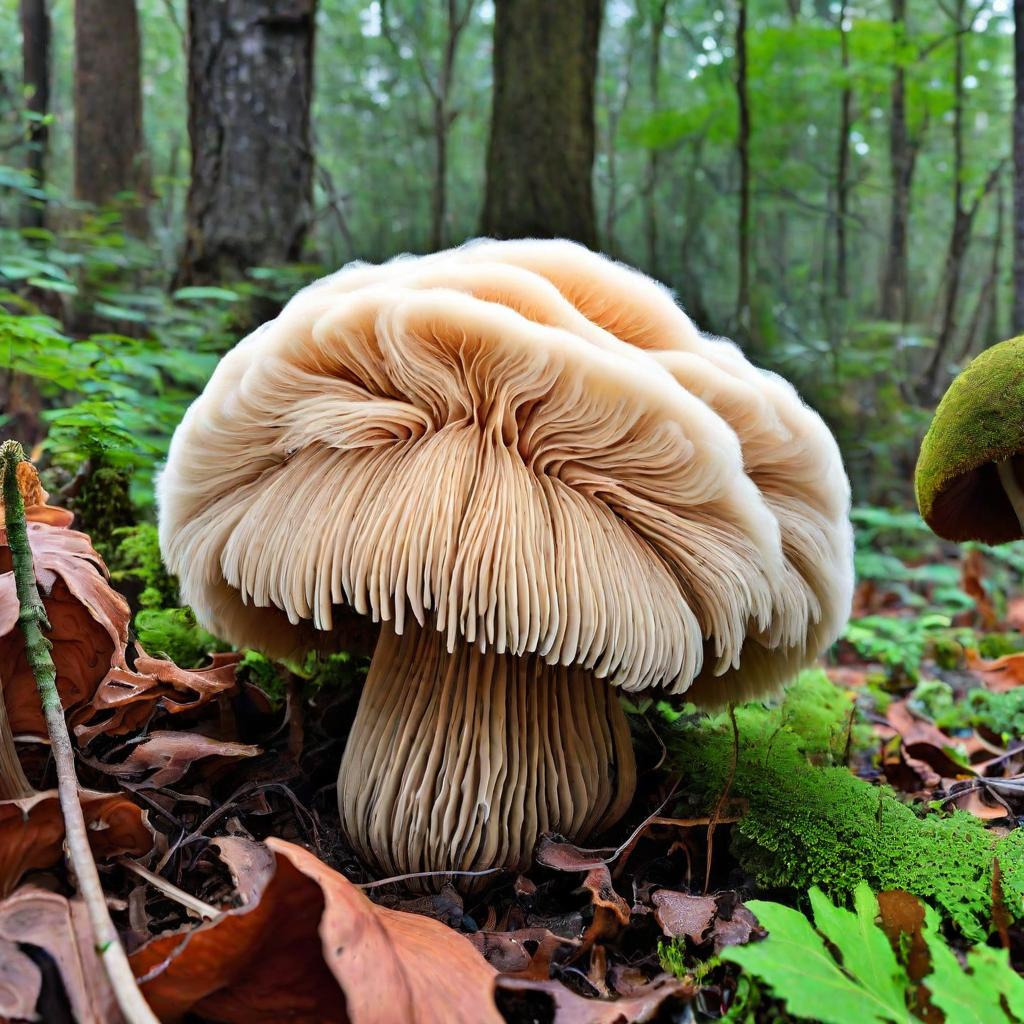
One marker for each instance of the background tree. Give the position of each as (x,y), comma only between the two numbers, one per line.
(108,104)
(250,86)
(1018,167)
(35,61)
(541,152)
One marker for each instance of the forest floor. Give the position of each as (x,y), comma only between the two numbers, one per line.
(889,780)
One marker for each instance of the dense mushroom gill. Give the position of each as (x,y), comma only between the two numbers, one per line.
(533,748)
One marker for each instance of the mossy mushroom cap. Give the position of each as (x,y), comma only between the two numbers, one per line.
(978,424)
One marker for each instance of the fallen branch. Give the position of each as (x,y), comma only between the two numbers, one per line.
(33,620)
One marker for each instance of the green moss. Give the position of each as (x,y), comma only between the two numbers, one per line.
(174,632)
(104,506)
(136,563)
(818,824)
(979,420)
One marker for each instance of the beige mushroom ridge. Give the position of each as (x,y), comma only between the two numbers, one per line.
(788,451)
(534,513)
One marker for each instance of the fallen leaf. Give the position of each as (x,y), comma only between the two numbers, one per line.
(126,698)
(89,621)
(32,831)
(644,1004)
(171,754)
(734,924)
(680,913)
(972,577)
(901,916)
(1000,675)
(308,946)
(47,921)
(520,951)
(924,742)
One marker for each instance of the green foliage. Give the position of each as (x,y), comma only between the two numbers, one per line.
(136,561)
(174,633)
(818,824)
(857,977)
(1000,713)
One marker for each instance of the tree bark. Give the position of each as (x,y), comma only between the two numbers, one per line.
(1018,168)
(895,280)
(541,152)
(108,105)
(250,72)
(658,19)
(35,62)
(743,152)
(843,157)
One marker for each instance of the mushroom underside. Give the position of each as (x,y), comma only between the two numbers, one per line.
(460,761)
(975,506)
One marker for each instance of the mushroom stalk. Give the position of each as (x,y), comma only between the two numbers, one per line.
(459,761)
(1008,479)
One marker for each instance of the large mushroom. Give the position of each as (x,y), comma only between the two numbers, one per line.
(534,509)
(970,471)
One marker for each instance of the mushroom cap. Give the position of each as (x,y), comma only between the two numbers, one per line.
(979,422)
(787,450)
(403,452)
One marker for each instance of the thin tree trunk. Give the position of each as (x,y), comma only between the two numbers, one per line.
(108,106)
(895,280)
(250,69)
(653,153)
(540,156)
(743,150)
(1018,168)
(984,321)
(843,160)
(35,62)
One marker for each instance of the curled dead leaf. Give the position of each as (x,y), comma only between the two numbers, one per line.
(646,1002)
(680,913)
(308,946)
(169,755)
(34,918)
(32,831)
(999,675)
(127,698)
(88,619)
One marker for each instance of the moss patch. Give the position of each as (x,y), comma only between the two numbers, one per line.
(818,824)
(979,421)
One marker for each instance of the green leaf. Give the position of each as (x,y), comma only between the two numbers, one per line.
(200,292)
(970,997)
(865,950)
(796,964)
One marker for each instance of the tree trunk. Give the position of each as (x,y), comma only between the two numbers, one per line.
(1018,168)
(843,158)
(35,62)
(653,153)
(743,151)
(108,105)
(541,151)
(895,281)
(250,71)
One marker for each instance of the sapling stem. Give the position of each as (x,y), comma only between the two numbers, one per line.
(33,620)
(1008,479)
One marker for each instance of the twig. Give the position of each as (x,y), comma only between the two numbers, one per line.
(715,817)
(170,890)
(427,874)
(33,620)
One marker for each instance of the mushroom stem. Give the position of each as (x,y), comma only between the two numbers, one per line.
(1008,479)
(459,761)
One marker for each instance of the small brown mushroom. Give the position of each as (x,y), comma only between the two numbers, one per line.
(534,510)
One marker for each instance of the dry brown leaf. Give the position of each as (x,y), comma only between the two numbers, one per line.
(89,621)
(923,741)
(127,698)
(972,576)
(32,831)
(901,916)
(569,1008)
(680,913)
(172,754)
(308,946)
(1005,673)
(45,920)
(520,951)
